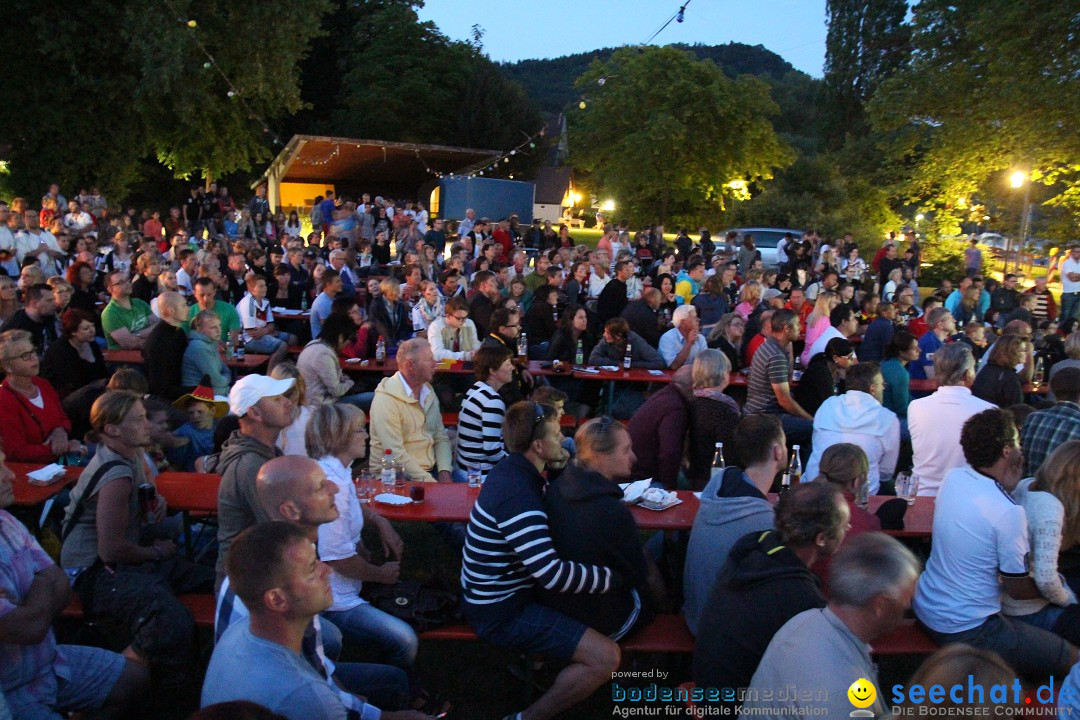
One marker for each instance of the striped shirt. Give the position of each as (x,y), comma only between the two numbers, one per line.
(479,439)
(508,549)
(769,367)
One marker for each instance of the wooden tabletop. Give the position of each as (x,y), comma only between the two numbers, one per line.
(250,361)
(28,494)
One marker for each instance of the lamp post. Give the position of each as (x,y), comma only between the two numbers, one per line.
(1019,179)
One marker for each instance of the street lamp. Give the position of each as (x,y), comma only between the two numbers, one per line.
(1018,179)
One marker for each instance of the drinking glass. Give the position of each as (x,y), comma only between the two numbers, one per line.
(907,487)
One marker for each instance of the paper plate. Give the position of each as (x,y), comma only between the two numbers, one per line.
(391,499)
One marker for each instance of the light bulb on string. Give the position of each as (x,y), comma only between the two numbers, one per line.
(192,23)
(581,105)
(232,93)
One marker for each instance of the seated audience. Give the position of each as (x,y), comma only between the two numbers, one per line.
(164,350)
(126,321)
(260,334)
(842,325)
(1045,430)
(981,551)
(858,417)
(505,329)
(591,524)
(429,307)
(206,299)
(37,317)
(998,382)
(324,301)
(878,334)
(940,325)
(658,430)
(643,316)
(681,344)
(714,415)
(541,319)
(573,330)
(612,299)
(75,361)
(727,337)
(203,411)
(480,420)
(935,421)
(407,421)
(320,365)
(710,302)
(509,554)
(35,427)
(452,335)
(870,586)
(611,350)
(41,678)
(283,585)
(903,348)
(1053,520)
(732,505)
(768,389)
(116,575)
(482,300)
(825,376)
(764,582)
(201,356)
(291,439)
(336,437)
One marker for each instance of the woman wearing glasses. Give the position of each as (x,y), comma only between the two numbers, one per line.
(35,427)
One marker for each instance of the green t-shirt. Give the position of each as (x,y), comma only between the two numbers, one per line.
(230,319)
(114,317)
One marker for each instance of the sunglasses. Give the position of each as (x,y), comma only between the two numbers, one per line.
(538,420)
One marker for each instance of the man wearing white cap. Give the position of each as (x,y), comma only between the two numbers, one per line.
(264,410)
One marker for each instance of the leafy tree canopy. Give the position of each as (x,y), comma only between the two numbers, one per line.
(665,132)
(991,86)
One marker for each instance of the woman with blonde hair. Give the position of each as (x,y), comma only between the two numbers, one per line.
(749,298)
(818,321)
(1051,501)
(291,440)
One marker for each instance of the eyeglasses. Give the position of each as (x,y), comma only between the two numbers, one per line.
(25,357)
(538,420)
(461,318)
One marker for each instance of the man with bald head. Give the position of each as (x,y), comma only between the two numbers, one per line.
(163,352)
(294,488)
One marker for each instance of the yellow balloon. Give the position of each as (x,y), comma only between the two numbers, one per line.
(862,693)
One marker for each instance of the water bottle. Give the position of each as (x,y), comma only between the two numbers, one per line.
(475,479)
(303,302)
(387,474)
(380,350)
(523,345)
(627,357)
(579,355)
(240,351)
(1038,377)
(229,349)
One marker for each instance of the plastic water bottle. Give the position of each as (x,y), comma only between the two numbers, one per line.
(303,302)
(523,345)
(388,474)
(628,357)
(229,349)
(240,351)
(718,461)
(475,479)
(380,350)
(579,355)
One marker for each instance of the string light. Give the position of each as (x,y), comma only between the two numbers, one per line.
(489,165)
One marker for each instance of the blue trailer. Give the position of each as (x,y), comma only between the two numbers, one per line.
(489,197)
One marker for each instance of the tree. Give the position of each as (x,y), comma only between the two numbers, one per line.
(866,43)
(665,133)
(91,91)
(991,86)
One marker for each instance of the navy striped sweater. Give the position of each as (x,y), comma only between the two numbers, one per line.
(508,548)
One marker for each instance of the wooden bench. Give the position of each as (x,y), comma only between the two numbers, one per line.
(201,606)
(665,634)
(907,639)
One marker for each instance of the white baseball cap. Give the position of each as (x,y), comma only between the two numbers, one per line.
(250,389)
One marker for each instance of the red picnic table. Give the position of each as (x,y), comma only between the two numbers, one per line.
(250,362)
(28,494)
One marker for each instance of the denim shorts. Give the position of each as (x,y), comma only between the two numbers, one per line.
(535,628)
(266,345)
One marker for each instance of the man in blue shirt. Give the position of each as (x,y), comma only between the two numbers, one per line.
(941,324)
(324,302)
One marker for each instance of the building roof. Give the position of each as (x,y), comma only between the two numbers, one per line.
(358,165)
(552,184)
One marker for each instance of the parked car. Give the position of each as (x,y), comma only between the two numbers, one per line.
(765,239)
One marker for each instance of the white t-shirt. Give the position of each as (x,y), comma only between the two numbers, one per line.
(253,314)
(823,340)
(979,532)
(1069,266)
(935,423)
(338,539)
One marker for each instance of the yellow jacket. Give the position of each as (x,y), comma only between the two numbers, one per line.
(412,430)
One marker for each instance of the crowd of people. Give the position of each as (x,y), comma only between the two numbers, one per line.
(831,353)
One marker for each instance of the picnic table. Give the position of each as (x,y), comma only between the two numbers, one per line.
(28,494)
(249,363)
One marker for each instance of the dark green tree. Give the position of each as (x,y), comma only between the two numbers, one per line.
(665,133)
(992,86)
(867,42)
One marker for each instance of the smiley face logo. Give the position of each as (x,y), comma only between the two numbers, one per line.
(862,693)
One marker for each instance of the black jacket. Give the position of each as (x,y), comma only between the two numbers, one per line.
(539,322)
(711,421)
(66,369)
(164,356)
(590,524)
(762,586)
(562,346)
(998,385)
(480,310)
(816,384)
(395,326)
(643,320)
(611,301)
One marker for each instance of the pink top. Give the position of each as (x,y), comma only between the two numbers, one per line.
(813,332)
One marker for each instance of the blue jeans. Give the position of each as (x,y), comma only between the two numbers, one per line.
(266,345)
(366,625)
(385,686)
(361,400)
(1070,303)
